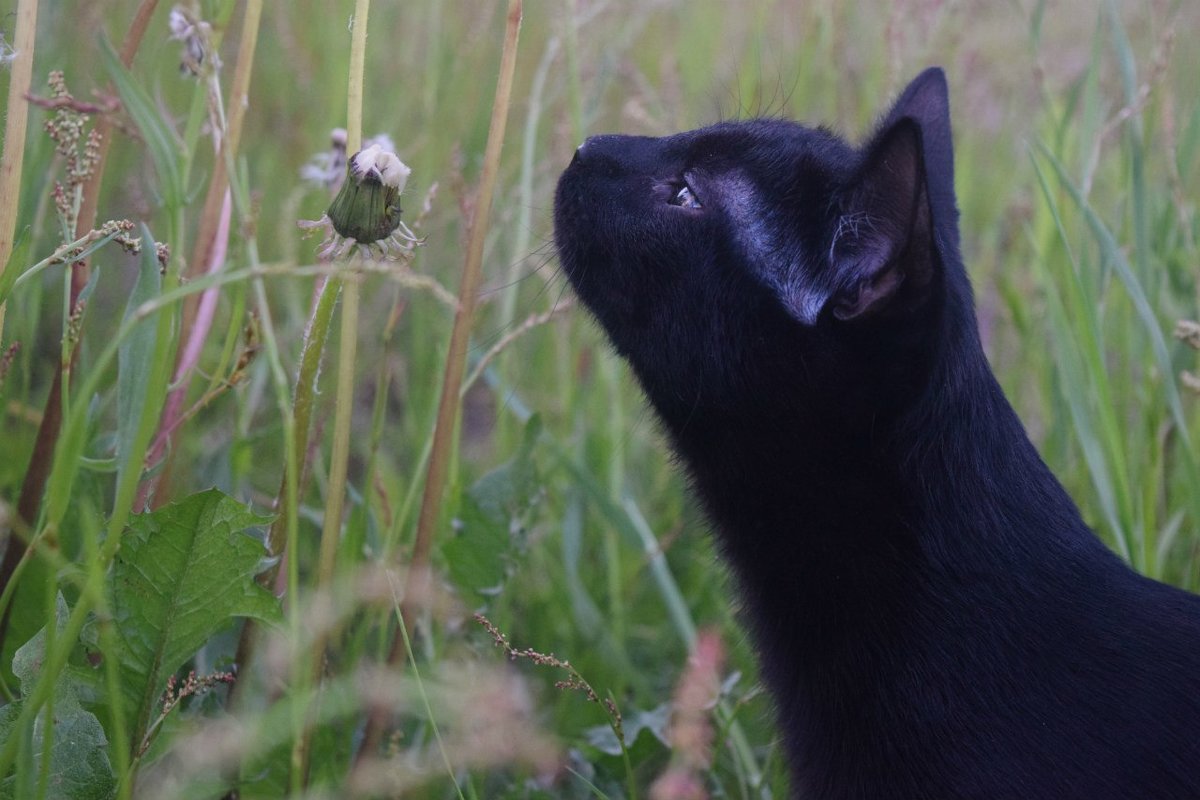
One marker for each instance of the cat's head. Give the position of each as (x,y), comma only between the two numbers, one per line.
(764,263)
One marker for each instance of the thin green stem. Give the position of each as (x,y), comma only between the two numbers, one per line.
(344,400)
(339,459)
(284,531)
(441,453)
(335,497)
(354,92)
(48,720)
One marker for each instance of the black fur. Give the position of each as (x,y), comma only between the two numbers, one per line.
(934,618)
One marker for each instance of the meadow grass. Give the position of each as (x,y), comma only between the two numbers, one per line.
(555,510)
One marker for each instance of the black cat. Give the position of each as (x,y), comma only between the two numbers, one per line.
(934,618)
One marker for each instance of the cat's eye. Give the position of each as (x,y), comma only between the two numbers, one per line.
(685,198)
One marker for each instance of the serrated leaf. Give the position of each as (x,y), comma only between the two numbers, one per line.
(654,720)
(27,662)
(135,364)
(492,512)
(183,572)
(79,768)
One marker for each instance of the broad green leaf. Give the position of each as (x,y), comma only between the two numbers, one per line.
(654,720)
(79,768)
(494,512)
(183,572)
(27,663)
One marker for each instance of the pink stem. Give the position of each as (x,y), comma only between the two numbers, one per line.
(201,326)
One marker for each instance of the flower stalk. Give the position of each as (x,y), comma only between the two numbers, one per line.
(370,195)
(449,405)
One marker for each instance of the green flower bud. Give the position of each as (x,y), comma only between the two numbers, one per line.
(367,208)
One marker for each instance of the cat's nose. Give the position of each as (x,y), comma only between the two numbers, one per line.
(595,147)
(581,153)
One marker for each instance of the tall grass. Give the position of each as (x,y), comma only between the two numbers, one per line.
(557,513)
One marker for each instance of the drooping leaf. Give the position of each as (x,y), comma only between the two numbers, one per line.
(183,572)
(79,768)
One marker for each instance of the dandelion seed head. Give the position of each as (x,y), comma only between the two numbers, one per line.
(328,168)
(392,171)
(365,215)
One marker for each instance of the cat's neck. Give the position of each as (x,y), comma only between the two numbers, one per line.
(867,566)
(843,528)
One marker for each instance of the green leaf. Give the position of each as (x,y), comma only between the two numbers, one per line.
(79,768)
(1145,314)
(1079,353)
(160,139)
(135,365)
(183,572)
(654,720)
(17,259)
(494,513)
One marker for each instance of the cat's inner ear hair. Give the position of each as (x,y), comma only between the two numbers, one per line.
(880,246)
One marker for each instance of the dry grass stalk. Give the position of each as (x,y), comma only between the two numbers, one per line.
(456,353)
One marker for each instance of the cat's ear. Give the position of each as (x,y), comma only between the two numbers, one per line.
(926,101)
(881,245)
(899,209)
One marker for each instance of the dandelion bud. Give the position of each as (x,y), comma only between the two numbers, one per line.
(365,214)
(367,208)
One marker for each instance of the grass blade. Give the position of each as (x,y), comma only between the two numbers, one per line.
(164,148)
